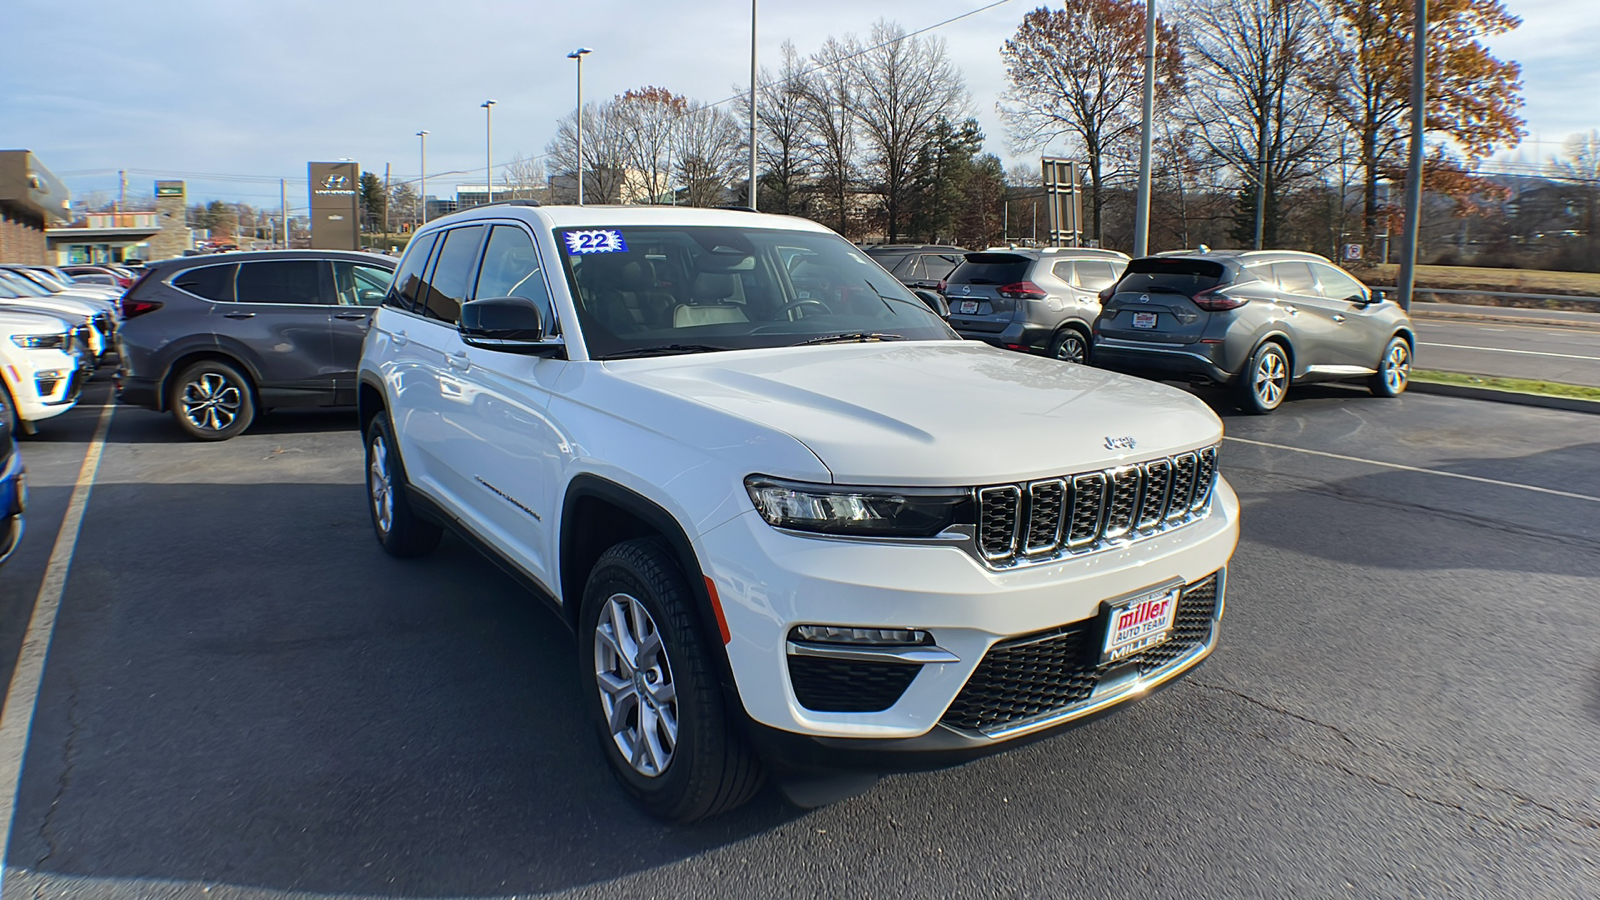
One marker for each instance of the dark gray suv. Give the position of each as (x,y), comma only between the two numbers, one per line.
(1037,301)
(1256,321)
(213,339)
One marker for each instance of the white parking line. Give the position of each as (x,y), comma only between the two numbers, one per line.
(16,719)
(1404,468)
(1505,350)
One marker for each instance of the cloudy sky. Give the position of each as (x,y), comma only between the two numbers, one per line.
(251,91)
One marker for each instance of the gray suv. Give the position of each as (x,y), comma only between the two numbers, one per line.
(1038,301)
(212,339)
(1256,321)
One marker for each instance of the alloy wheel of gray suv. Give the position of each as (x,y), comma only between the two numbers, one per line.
(1265,381)
(212,401)
(1070,346)
(1394,370)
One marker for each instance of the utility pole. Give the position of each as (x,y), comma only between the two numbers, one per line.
(1141,215)
(423,184)
(1419,99)
(753,104)
(283,209)
(386,196)
(488,151)
(122,191)
(578,55)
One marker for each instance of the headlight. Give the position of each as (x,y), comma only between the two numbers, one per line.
(40,341)
(864,511)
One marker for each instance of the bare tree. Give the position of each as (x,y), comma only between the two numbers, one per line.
(709,148)
(1581,167)
(1255,69)
(829,103)
(784,150)
(650,118)
(1076,75)
(903,86)
(524,179)
(404,204)
(605,155)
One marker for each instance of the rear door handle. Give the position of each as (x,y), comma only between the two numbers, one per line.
(239,315)
(458,360)
(1292,310)
(399,338)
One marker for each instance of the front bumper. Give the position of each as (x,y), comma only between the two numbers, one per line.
(966,608)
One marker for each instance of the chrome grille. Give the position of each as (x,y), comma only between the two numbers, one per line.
(1044,518)
(1046,500)
(998,511)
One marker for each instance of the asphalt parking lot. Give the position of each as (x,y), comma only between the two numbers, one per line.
(245,698)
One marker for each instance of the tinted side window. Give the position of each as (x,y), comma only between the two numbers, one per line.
(511,269)
(1171,275)
(357,285)
(210,282)
(407,285)
(452,274)
(940,267)
(1095,274)
(1063,270)
(912,270)
(1336,285)
(281,281)
(991,268)
(1294,278)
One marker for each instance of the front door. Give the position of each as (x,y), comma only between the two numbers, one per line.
(358,288)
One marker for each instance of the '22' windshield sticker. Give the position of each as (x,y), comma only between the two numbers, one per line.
(599,241)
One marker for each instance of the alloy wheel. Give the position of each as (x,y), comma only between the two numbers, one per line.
(1270,381)
(380,485)
(637,692)
(1071,348)
(1397,367)
(211,402)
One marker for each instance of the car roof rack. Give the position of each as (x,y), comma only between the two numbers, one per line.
(518,202)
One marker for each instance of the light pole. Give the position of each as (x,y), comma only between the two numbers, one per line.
(488,150)
(423,187)
(1141,211)
(578,55)
(752,104)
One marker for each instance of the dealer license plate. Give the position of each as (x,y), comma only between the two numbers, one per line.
(967,307)
(1144,320)
(1140,623)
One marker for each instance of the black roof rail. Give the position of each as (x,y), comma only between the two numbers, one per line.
(506,203)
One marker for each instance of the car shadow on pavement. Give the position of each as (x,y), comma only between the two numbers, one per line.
(243,689)
(143,426)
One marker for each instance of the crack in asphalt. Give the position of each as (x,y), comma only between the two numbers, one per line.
(1310,486)
(1374,748)
(64,781)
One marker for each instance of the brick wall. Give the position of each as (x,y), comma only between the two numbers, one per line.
(22,238)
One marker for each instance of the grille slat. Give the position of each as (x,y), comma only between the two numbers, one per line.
(1040,519)
(1051,671)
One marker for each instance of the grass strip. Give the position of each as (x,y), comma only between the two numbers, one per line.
(1515,385)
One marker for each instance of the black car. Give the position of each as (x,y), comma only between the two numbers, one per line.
(213,339)
(917,265)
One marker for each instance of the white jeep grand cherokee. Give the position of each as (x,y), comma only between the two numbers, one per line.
(797,524)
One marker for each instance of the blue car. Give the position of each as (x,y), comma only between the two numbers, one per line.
(13,485)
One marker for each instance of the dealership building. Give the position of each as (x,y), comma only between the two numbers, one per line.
(32,200)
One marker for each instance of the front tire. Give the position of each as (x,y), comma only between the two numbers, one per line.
(653,692)
(1394,370)
(212,401)
(1265,381)
(400,531)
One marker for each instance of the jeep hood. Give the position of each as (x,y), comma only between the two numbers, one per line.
(938,412)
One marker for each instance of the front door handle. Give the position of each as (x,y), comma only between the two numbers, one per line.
(351,315)
(1292,310)
(399,338)
(1338,318)
(458,360)
(239,315)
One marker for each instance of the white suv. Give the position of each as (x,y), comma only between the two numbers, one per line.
(798,525)
(42,367)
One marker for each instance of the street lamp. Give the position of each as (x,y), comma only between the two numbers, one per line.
(752,196)
(423,187)
(578,55)
(488,149)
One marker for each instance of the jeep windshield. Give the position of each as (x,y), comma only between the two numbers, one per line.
(654,291)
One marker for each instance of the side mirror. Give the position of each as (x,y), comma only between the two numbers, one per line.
(938,304)
(508,325)
(1363,299)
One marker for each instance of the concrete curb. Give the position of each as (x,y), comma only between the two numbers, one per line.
(1570,404)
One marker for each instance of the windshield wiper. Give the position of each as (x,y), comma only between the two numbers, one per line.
(663,350)
(852,337)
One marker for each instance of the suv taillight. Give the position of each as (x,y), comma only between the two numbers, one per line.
(1211,301)
(132,308)
(942,285)
(1022,290)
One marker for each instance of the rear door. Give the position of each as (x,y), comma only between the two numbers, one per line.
(1152,301)
(974,291)
(278,319)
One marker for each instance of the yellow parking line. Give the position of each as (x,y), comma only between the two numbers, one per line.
(16,718)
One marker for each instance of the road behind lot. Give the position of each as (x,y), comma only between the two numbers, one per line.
(1537,352)
(245,697)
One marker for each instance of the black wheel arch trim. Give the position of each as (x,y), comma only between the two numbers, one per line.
(653,515)
(1278,337)
(212,350)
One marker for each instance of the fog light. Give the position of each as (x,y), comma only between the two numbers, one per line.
(881,637)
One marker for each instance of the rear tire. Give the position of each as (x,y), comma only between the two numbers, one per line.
(400,531)
(1394,370)
(12,417)
(1070,345)
(212,401)
(1265,381)
(653,690)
